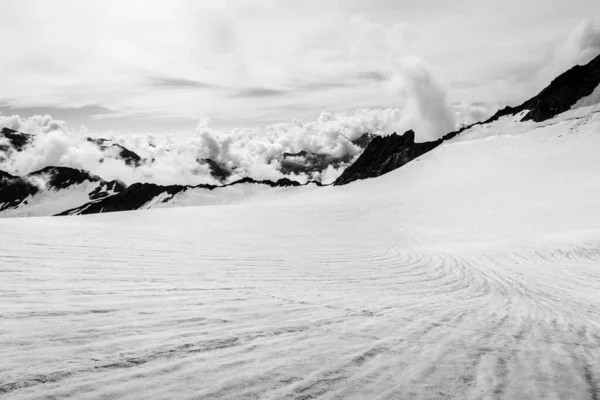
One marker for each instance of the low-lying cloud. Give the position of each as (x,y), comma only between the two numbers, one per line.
(254,152)
(32,125)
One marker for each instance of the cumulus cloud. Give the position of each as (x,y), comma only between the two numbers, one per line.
(34,124)
(468,113)
(579,47)
(429,112)
(421,97)
(256,152)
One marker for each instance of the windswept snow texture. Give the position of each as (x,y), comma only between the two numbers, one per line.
(472,272)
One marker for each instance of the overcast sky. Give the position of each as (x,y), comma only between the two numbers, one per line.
(156,66)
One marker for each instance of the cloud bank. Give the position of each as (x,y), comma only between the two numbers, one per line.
(256,152)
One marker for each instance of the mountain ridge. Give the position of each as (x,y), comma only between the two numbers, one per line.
(384,154)
(559,96)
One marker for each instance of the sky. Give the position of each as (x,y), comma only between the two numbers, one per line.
(154,66)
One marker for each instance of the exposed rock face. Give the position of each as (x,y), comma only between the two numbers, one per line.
(217,170)
(61,177)
(283,182)
(129,157)
(11,141)
(106,189)
(137,195)
(385,154)
(562,93)
(364,140)
(13,190)
(17,140)
(132,198)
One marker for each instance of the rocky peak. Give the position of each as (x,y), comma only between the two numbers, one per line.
(385,154)
(18,140)
(562,94)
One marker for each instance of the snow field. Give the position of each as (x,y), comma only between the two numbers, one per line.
(471,273)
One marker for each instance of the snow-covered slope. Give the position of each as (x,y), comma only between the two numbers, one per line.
(51,190)
(141,196)
(240,193)
(472,272)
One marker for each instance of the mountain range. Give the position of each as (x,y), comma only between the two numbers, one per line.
(58,190)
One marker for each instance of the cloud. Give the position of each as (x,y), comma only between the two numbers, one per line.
(374,76)
(255,152)
(182,83)
(258,53)
(255,92)
(464,84)
(321,86)
(32,125)
(468,113)
(426,105)
(350,81)
(579,47)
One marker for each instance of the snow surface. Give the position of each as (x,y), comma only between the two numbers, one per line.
(53,201)
(472,272)
(591,100)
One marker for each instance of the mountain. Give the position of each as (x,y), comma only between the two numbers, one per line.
(129,157)
(304,162)
(149,195)
(11,140)
(90,194)
(363,140)
(14,191)
(385,154)
(131,198)
(16,140)
(562,93)
(217,170)
(51,190)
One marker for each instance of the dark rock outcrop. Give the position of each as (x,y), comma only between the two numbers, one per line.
(139,194)
(132,198)
(16,140)
(129,157)
(364,140)
(385,154)
(217,170)
(283,182)
(562,93)
(14,190)
(61,177)
(106,189)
